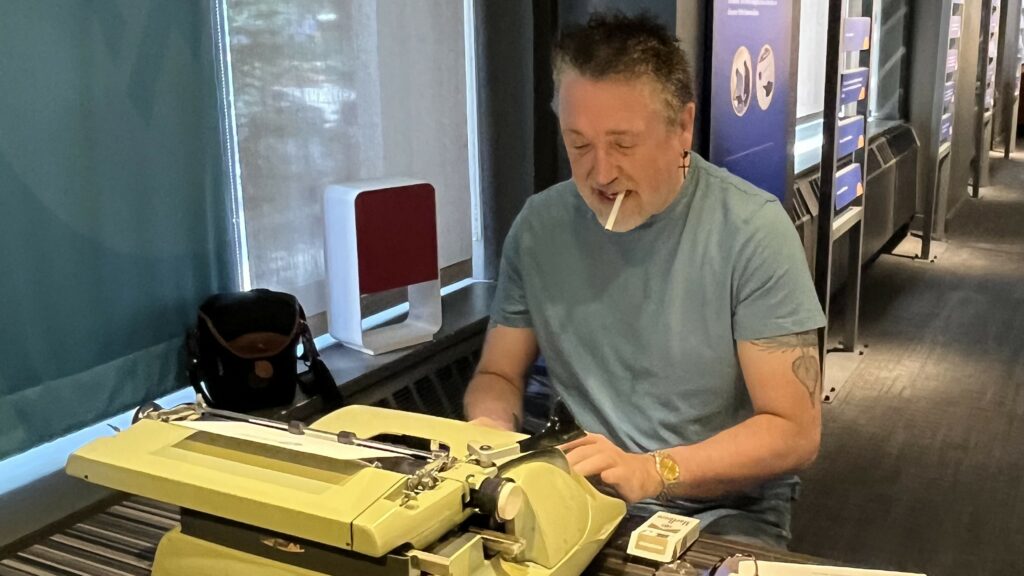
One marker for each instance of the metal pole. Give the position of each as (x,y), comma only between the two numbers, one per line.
(826,198)
(979,97)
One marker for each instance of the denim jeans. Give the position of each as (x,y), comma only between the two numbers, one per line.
(761,517)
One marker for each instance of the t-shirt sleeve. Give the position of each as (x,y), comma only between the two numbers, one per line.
(772,290)
(510,306)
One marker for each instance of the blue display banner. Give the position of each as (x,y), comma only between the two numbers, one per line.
(851,136)
(948,93)
(955,25)
(751,113)
(951,57)
(854,86)
(856,34)
(848,185)
(945,128)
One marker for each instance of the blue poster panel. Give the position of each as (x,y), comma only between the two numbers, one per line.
(848,185)
(854,86)
(955,25)
(856,34)
(851,136)
(751,118)
(945,128)
(951,57)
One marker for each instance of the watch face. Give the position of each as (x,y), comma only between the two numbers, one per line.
(668,469)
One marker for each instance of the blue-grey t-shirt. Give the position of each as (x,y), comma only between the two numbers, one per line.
(639,329)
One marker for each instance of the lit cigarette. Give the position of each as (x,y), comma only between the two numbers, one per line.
(615,211)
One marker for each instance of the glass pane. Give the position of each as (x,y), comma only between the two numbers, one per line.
(329,91)
(891,59)
(810,95)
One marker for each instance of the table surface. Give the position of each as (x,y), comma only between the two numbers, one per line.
(705,552)
(122,540)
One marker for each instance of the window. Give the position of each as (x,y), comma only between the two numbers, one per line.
(890,59)
(329,91)
(889,71)
(810,95)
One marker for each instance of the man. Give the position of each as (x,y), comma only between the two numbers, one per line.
(683,340)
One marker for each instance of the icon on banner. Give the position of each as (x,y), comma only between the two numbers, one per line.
(765,77)
(741,84)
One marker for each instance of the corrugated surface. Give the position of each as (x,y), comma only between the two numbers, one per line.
(122,540)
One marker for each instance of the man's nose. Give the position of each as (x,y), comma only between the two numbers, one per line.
(604,167)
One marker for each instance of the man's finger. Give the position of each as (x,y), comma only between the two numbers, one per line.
(577,455)
(617,475)
(585,441)
(594,465)
(488,422)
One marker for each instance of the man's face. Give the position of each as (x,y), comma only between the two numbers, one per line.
(619,142)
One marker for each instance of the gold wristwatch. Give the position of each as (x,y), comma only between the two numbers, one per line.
(667,469)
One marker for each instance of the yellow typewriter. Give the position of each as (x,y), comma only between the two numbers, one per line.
(363,491)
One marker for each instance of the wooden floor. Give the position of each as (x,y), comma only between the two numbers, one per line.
(922,459)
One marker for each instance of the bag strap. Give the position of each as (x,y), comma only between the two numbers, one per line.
(323,383)
(192,364)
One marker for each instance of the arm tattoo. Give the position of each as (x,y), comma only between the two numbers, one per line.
(805,367)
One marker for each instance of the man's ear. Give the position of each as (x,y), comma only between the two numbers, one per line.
(686,122)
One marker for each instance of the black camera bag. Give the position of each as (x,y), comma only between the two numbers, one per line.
(243,354)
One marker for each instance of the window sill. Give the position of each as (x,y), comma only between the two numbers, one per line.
(465,313)
(807,148)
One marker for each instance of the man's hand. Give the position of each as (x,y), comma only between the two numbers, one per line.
(633,476)
(488,422)
(494,397)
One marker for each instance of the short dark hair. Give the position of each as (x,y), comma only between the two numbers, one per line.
(614,45)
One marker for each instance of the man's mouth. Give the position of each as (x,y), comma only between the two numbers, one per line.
(609,195)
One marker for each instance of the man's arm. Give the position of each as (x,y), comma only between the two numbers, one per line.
(494,396)
(781,437)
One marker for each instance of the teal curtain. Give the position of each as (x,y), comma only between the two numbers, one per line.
(113,206)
